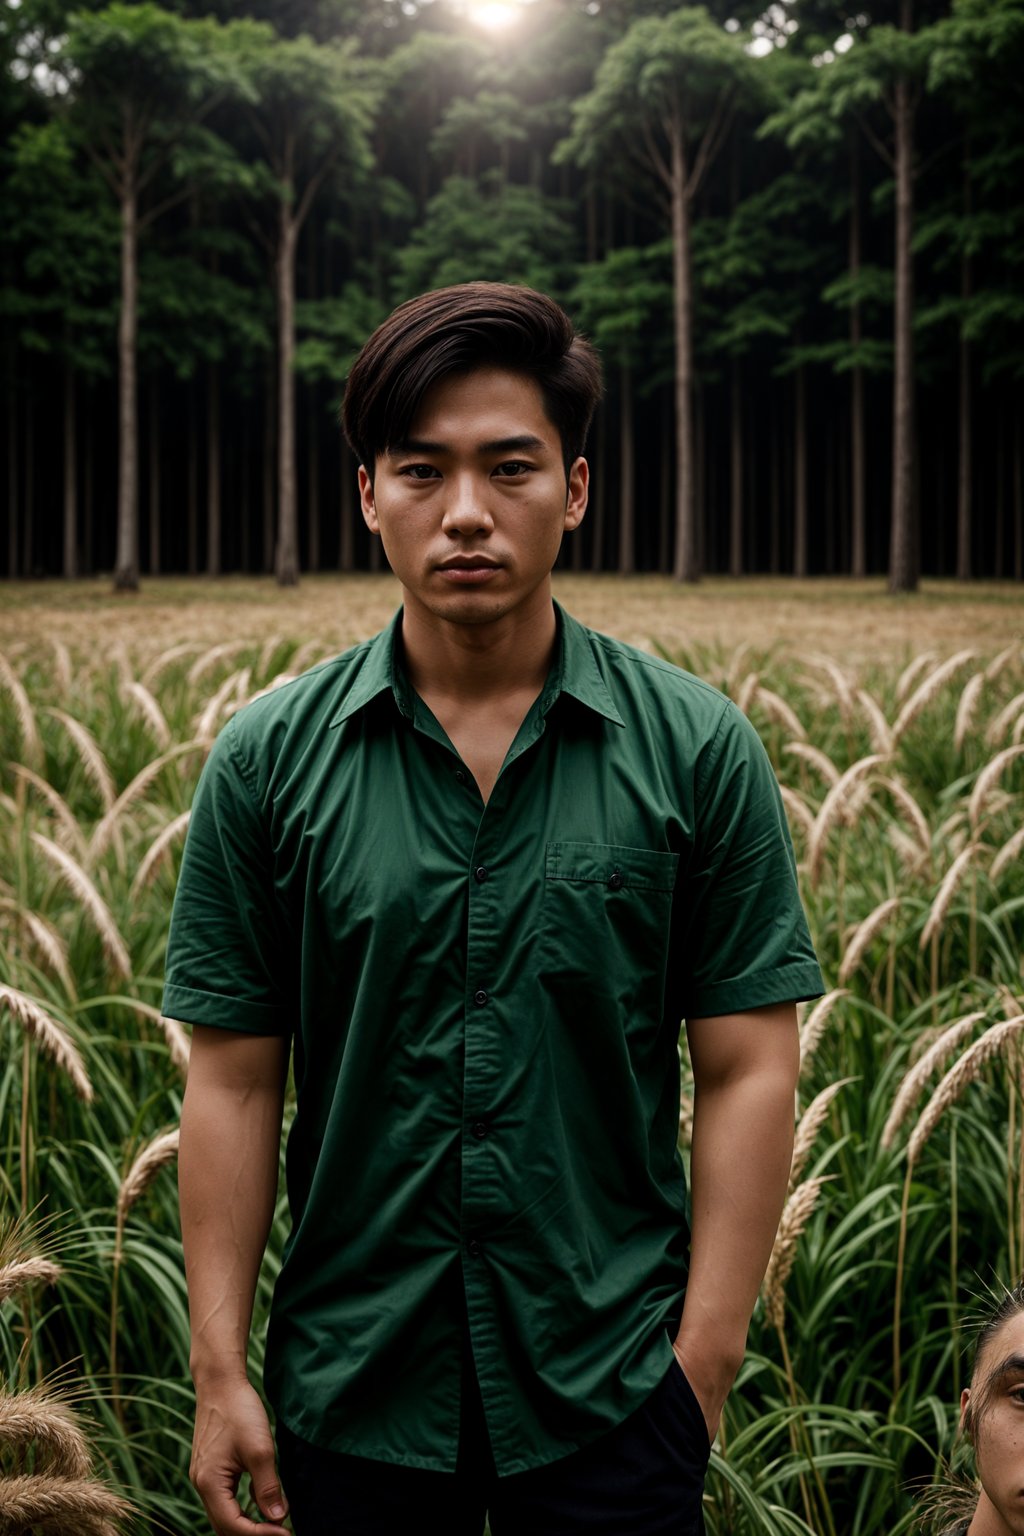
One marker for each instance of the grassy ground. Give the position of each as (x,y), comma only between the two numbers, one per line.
(851,620)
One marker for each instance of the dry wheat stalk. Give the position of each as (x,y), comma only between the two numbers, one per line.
(146,705)
(62,665)
(206,720)
(143,779)
(863,935)
(155,1155)
(927,691)
(878,726)
(1017,734)
(840,683)
(67,821)
(51,1036)
(989,1045)
(799,810)
(78,882)
(165,658)
(12,685)
(795,1216)
(813,1026)
(965,709)
(90,755)
(43,937)
(210,658)
(909,675)
(778,710)
(915,816)
(266,654)
(73,1505)
(42,1419)
(17,1275)
(271,687)
(156,851)
(908,851)
(808,1126)
(308,653)
(1006,717)
(986,781)
(1008,854)
(997,663)
(912,1086)
(817,759)
(746,691)
(737,661)
(834,808)
(947,890)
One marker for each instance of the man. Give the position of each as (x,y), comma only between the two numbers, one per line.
(478,869)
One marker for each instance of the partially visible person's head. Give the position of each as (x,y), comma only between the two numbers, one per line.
(454,331)
(992,1417)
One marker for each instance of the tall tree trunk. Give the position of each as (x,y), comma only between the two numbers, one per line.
(126,565)
(704,493)
(903,563)
(963,497)
(312,479)
(70,475)
(286,563)
(858,529)
(192,483)
(627,475)
(269,446)
(799,473)
(349,510)
(736,473)
(12,469)
(1018,503)
(775,507)
(245,497)
(600,500)
(88,485)
(154,475)
(213,452)
(686,564)
(29,555)
(665,488)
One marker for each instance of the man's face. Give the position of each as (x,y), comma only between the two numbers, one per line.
(999,1430)
(471,509)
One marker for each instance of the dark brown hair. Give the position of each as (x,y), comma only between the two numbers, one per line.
(453,330)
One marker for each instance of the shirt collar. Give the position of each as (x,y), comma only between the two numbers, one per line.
(574,672)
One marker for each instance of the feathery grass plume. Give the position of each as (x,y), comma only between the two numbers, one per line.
(90,755)
(157,850)
(779,711)
(210,658)
(272,687)
(909,675)
(914,814)
(61,665)
(987,780)
(23,1259)
(795,1216)
(139,696)
(266,655)
(746,691)
(50,1035)
(308,654)
(947,890)
(840,683)
(833,809)
(965,709)
(1008,854)
(912,1086)
(78,882)
(800,812)
(105,829)
(685,1120)
(865,932)
(808,1126)
(1006,717)
(178,1042)
(963,1072)
(879,728)
(205,723)
(41,1419)
(11,684)
(67,822)
(20,1274)
(1017,734)
(1003,659)
(734,667)
(812,1027)
(928,690)
(818,760)
(66,1506)
(156,1154)
(41,937)
(166,658)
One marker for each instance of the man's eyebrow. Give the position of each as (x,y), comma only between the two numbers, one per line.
(1011,1365)
(524,442)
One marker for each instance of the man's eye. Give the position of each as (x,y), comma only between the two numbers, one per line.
(511,468)
(419,471)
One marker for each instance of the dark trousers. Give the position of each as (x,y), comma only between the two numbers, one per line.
(643,1478)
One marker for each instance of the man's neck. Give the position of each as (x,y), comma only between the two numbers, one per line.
(473,664)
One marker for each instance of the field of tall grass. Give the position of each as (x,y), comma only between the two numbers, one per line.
(903,778)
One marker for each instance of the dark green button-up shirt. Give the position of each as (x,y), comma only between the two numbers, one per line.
(485,1003)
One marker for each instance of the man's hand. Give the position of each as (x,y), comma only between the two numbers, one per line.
(232,1437)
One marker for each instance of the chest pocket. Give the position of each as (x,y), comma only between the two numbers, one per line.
(608,923)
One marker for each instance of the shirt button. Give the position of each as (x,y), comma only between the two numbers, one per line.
(480,1129)
(481,873)
(473,1248)
(460,777)
(480,998)
(615,880)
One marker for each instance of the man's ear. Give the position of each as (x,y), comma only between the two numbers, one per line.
(367,505)
(576,494)
(966,1417)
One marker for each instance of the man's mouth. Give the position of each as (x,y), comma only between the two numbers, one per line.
(467,569)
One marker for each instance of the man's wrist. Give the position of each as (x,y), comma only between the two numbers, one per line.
(207,1371)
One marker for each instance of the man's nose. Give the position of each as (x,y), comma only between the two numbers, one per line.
(466,510)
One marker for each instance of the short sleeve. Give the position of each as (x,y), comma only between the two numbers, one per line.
(748,944)
(226,947)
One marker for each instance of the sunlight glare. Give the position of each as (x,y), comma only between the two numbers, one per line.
(494,16)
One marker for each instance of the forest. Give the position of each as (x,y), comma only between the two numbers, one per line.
(795,233)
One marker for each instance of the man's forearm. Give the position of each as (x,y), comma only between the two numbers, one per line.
(227,1174)
(745,1069)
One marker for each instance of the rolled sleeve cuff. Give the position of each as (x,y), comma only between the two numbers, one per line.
(193,1006)
(795,983)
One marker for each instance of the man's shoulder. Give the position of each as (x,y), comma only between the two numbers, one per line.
(633,671)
